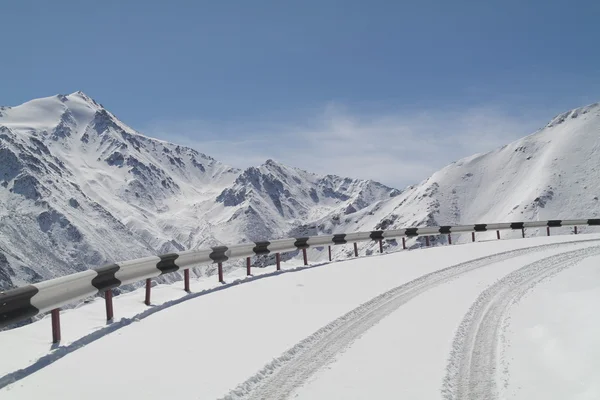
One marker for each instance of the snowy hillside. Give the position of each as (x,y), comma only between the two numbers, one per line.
(551,174)
(79,188)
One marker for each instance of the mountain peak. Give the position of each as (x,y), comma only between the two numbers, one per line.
(82,96)
(277,167)
(574,113)
(270,163)
(274,167)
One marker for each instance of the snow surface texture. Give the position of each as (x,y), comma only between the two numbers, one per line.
(79,188)
(444,322)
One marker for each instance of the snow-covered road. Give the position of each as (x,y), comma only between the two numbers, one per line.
(435,323)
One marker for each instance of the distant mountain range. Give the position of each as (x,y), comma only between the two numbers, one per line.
(79,188)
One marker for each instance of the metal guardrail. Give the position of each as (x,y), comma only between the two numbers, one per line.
(28,301)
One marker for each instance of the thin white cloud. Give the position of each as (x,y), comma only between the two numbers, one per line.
(396,149)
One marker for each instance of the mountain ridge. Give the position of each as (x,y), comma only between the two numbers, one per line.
(552,173)
(81,188)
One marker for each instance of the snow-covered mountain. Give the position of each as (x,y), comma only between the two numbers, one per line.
(552,174)
(79,188)
(297,197)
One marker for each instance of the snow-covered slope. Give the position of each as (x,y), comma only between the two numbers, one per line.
(551,174)
(79,188)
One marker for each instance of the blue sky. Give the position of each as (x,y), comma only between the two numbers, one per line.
(388,90)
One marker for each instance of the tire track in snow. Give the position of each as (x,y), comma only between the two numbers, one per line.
(282,376)
(473,367)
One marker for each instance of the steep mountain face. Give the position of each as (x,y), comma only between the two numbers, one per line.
(79,188)
(274,200)
(551,174)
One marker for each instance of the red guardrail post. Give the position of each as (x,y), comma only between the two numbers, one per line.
(404,243)
(278,261)
(355,250)
(148,288)
(305,257)
(523,232)
(548,230)
(109,304)
(427,241)
(449,239)
(380,246)
(576,229)
(329,249)
(186,280)
(220,266)
(248,265)
(473,236)
(498,234)
(55,325)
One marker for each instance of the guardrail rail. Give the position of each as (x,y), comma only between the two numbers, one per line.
(28,301)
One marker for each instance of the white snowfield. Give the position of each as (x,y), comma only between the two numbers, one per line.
(508,319)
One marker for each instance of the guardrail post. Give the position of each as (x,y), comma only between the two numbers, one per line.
(304,256)
(449,239)
(329,249)
(380,246)
(548,230)
(576,229)
(109,304)
(427,241)
(55,325)
(148,288)
(404,243)
(498,234)
(278,261)
(220,266)
(248,265)
(355,250)
(523,232)
(186,280)
(473,236)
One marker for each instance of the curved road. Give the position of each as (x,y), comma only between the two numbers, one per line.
(473,360)
(436,331)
